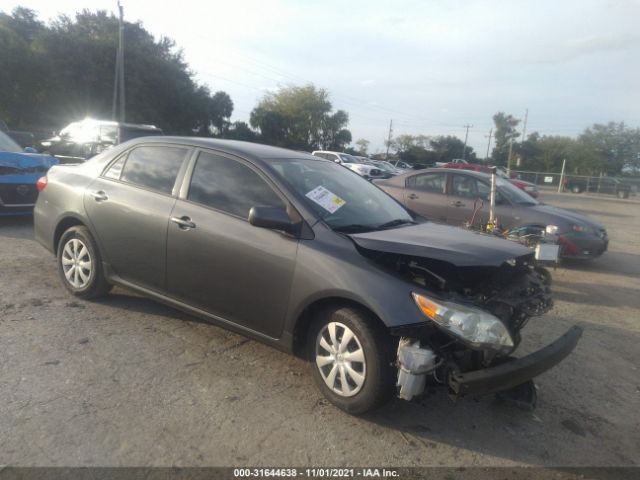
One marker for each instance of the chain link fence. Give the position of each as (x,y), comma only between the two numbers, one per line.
(579,183)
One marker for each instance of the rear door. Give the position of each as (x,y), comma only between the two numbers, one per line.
(217,261)
(129,207)
(465,194)
(425,194)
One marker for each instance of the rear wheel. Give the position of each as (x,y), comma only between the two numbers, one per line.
(351,359)
(623,194)
(576,189)
(80,264)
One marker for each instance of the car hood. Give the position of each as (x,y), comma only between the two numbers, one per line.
(26,160)
(458,246)
(567,215)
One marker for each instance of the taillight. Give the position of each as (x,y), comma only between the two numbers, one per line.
(41,183)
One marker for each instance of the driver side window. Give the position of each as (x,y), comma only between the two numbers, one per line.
(230,186)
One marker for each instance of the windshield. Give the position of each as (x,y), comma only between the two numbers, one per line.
(8,145)
(346,158)
(343,199)
(514,194)
(385,166)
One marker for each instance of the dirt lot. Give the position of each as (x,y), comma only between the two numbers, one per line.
(126,381)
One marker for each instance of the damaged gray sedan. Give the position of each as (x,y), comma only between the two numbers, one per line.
(302,254)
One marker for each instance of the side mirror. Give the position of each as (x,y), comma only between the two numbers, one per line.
(272,218)
(337,160)
(30,150)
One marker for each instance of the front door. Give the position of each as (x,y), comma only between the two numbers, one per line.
(129,208)
(216,260)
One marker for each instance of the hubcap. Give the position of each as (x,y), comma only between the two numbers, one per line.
(340,359)
(76,263)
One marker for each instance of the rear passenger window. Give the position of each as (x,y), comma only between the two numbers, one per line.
(115,169)
(153,167)
(428,182)
(230,186)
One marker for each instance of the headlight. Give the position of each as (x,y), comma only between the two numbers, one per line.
(551,229)
(476,327)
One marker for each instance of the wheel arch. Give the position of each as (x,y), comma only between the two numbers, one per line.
(306,317)
(64,224)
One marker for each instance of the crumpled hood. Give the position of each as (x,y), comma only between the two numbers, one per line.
(26,160)
(458,246)
(568,215)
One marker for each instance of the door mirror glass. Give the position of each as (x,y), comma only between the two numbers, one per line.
(272,218)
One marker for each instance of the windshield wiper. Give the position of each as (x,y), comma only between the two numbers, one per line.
(354,228)
(395,223)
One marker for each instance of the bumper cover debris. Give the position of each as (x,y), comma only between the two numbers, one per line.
(516,371)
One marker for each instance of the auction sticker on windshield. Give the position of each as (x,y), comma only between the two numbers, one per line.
(326,199)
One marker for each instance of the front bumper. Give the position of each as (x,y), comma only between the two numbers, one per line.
(516,371)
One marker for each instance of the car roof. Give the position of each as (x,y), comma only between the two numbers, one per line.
(233,147)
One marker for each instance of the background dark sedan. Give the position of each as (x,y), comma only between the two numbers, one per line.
(450,196)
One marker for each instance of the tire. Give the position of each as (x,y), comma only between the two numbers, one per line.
(80,264)
(372,381)
(576,189)
(623,194)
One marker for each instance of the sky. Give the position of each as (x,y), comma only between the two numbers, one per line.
(431,66)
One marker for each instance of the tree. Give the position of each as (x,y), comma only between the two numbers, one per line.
(240,131)
(53,74)
(505,132)
(301,118)
(363,146)
(614,144)
(448,147)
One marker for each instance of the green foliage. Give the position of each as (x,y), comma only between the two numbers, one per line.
(422,149)
(300,118)
(505,132)
(600,149)
(53,74)
(363,146)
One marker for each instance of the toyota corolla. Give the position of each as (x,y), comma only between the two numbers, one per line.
(296,251)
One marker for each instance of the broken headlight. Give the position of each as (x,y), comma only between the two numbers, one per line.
(477,328)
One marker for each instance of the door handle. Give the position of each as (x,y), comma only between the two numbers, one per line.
(412,196)
(184,222)
(99,196)
(457,203)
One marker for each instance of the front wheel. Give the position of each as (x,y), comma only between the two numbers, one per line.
(80,264)
(576,189)
(351,359)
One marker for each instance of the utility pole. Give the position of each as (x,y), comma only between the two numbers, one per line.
(509,157)
(466,137)
(118,82)
(524,125)
(389,139)
(489,142)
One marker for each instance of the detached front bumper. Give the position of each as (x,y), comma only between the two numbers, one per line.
(514,372)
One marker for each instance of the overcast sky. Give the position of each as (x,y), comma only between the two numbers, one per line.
(431,66)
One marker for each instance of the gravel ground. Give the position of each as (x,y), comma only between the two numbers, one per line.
(126,381)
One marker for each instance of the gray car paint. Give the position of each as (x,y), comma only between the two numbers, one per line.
(273,277)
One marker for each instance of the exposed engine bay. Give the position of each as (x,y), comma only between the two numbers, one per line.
(513,292)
